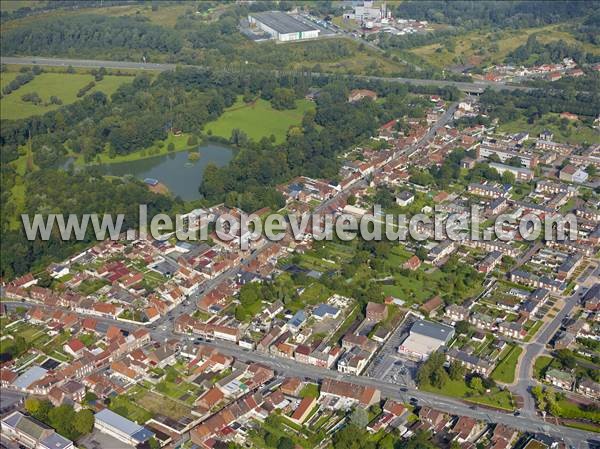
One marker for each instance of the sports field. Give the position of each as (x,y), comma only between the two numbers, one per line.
(258,119)
(61,85)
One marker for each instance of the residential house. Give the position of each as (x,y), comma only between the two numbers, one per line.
(560,379)
(376,312)
(570,173)
(589,388)
(412,264)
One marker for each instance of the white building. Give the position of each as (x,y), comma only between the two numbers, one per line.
(121,428)
(425,337)
(282,26)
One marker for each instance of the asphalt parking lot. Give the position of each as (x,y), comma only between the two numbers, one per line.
(387,363)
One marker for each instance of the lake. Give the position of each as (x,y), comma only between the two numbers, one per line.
(181,176)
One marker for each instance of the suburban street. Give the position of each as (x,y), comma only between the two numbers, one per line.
(535,348)
(475,87)
(162,329)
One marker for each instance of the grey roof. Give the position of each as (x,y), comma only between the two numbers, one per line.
(433,330)
(281,22)
(112,419)
(405,195)
(12,420)
(30,376)
(56,441)
(325,309)
(539,294)
(592,293)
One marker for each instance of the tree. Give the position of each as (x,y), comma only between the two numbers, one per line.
(359,417)
(591,170)
(285,443)
(84,421)
(456,370)
(476,384)
(238,138)
(37,408)
(284,98)
(271,439)
(192,140)
(462,327)
(566,358)
(171,146)
(62,419)
(508,178)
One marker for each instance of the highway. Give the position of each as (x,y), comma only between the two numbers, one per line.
(475,87)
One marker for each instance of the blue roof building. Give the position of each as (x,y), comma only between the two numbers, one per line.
(297,320)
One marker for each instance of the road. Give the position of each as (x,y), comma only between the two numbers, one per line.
(475,87)
(575,438)
(535,348)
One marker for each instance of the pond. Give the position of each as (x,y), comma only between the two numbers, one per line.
(176,171)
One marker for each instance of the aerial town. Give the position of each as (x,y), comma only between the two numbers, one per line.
(310,342)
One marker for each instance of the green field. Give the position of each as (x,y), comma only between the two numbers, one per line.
(61,85)
(540,365)
(505,371)
(259,119)
(159,148)
(501,399)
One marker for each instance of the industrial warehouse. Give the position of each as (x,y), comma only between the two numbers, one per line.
(283,27)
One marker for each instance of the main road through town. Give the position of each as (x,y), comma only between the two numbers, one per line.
(162,329)
(475,87)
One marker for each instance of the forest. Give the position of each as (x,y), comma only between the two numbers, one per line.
(509,105)
(533,52)
(510,14)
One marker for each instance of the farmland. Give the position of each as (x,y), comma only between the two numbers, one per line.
(258,119)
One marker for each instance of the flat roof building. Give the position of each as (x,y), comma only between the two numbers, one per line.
(282,26)
(121,428)
(33,374)
(425,337)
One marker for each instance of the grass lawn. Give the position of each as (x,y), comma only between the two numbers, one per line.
(130,410)
(313,294)
(180,143)
(61,85)
(458,388)
(159,404)
(582,426)
(259,119)
(534,329)
(505,371)
(571,410)
(540,365)
(7,77)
